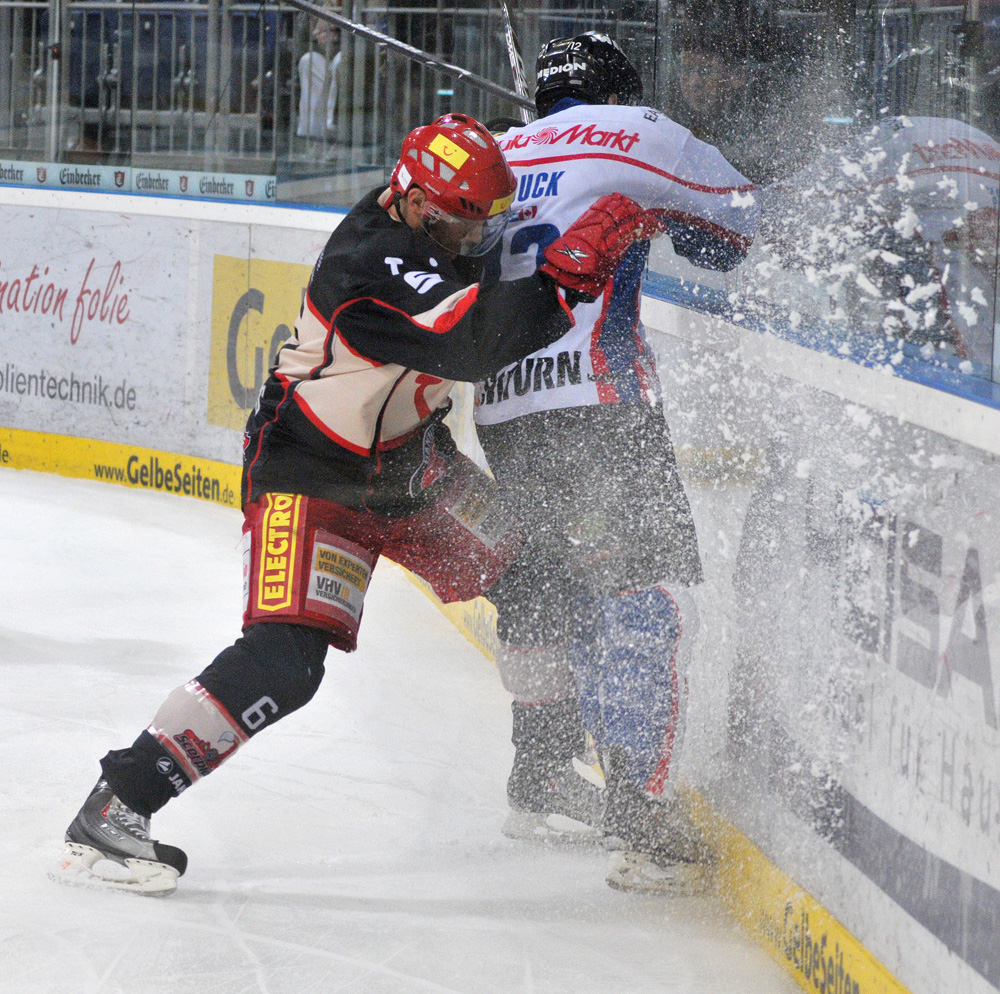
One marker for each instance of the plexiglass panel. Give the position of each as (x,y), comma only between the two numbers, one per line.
(869,128)
(871,132)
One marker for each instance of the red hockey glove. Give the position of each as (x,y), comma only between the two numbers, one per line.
(585,258)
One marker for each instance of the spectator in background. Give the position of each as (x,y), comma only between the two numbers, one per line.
(318,83)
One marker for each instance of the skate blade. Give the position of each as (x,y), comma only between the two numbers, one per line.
(531,826)
(144,876)
(637,873)
(590,771)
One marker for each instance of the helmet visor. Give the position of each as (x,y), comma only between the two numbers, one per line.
(462,235)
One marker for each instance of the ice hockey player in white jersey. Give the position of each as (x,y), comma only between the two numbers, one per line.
(576,437)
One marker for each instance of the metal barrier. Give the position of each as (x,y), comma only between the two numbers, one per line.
(294,90)
(297,91)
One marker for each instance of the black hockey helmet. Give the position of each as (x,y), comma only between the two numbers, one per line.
(589,67)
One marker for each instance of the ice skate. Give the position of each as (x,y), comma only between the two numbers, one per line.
(554,795)
(656,847)
(569,808)
(108,832)
(643,873)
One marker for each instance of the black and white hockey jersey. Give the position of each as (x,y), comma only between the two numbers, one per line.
(387,325)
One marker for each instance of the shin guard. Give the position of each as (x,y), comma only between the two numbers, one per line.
(630,677)
(196,730)
(273,670)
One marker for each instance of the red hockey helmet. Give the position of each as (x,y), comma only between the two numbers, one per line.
(459,166)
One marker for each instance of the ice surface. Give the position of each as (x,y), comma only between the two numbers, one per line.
(353,848)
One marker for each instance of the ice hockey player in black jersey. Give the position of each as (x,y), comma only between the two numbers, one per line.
(576,436)
(346,457)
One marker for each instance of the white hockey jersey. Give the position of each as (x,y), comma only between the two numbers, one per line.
(563,163)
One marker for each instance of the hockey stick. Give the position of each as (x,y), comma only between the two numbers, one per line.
(416,55)
(516,63)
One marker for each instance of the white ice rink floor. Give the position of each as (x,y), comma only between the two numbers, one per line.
(353,848)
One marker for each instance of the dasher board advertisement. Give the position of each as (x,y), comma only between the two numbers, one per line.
(854,587)
(145,330)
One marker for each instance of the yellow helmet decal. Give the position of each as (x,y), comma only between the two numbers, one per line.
(501,205)
(449,152)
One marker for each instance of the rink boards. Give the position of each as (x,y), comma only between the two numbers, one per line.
(844,714)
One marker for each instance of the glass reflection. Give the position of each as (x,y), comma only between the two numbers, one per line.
(894,236)
(906,94)
(870,128)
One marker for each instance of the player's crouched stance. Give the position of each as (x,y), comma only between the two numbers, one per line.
(347,457)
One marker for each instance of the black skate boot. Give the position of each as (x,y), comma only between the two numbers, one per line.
(106,829)
(656,847)
(554,795)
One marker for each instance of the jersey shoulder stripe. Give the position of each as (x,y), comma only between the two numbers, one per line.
(439,319)
(639,164)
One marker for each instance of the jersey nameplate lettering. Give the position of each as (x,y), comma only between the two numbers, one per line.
(533,186)
(534,374)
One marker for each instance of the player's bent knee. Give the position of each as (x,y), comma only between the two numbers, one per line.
(537,602)
(273,670)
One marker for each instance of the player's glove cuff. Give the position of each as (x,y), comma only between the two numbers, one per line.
(587,255)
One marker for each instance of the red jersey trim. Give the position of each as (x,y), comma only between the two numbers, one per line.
(395,443)
(316,314)
(607,392)
(328,325)
(639,165)
(319,423)
(340,338)
(442,324)
(561,294)
(741,242)
(447,320)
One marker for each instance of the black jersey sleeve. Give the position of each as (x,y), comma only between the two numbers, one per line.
(393,296)
(420,319)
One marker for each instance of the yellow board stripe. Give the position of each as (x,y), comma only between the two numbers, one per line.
(124,465)
(790,924)
(819,952)
(476,619)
